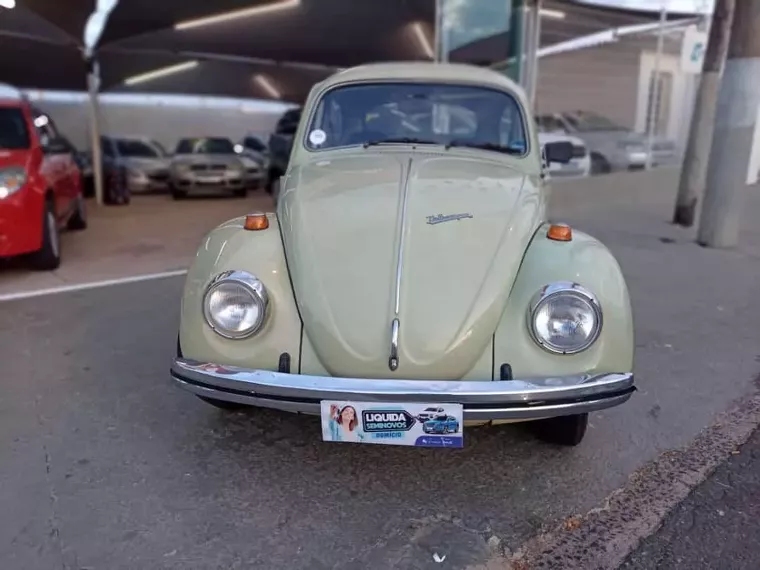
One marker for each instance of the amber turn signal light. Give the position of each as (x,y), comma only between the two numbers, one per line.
(256,222)
(560,232)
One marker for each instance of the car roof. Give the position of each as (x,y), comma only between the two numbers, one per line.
(10,94)
(444,72)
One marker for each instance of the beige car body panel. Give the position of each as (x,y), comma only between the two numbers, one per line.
(465,285)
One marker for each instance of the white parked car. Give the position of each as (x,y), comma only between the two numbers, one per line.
(579,165)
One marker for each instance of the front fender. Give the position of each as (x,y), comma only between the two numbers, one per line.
(583,260)
(230,247)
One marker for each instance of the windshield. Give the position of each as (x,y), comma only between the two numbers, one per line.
(14,134)
(254,143)
(585,122)
(137,149)
(423,113)
(205,146)
(549,124)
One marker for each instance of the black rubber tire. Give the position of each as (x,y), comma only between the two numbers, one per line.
(48,257)
(224,405)
(599,164)
(178,194)
(240,193)
(78,220)
(563,430)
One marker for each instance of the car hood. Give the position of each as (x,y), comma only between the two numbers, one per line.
(342,222)
(20,158)
(189,159)
(544,138)
(622,136)
(146,164)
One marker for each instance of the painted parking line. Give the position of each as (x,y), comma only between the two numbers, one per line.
(91,285)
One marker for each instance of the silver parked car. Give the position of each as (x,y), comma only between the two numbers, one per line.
(145,161)
(208,164)
(612,147)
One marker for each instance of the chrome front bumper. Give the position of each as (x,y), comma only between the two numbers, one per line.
(528,399)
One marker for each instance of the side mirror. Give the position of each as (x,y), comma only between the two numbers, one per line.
(561,152)
(57,146)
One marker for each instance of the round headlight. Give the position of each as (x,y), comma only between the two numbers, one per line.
(235,304)
(565,318)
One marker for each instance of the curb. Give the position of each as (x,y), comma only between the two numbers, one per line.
(604,537)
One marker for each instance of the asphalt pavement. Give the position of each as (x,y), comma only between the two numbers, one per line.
(716,527)
(105,465)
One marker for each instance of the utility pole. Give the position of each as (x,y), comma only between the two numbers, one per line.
(691,185)
(735,118)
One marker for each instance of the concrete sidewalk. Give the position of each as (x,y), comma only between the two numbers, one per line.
(716,527)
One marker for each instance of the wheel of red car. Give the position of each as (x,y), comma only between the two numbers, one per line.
(78,220)
(48,257)
(564,430)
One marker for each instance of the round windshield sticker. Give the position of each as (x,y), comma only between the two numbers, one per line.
(317,137)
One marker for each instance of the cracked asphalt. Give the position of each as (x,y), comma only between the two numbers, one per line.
(716,526)
(105,465)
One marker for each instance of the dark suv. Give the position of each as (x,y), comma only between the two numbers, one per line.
(280,144)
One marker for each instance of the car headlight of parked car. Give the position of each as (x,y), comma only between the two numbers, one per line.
(11,180)
(135,174)
(235,171)
(564,318)
(235,304)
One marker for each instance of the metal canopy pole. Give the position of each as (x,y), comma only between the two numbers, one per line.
(93,86)
(441,35)
(535,43)
(654,103)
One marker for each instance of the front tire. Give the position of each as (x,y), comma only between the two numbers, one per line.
(563,430)
(599,164)
(48,257)
(178,194)
(78,220)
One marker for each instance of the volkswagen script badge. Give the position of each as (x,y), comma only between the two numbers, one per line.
(440,218)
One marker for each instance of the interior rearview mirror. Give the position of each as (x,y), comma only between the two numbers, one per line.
(561,151)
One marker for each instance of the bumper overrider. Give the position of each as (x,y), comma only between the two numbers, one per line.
(526,399)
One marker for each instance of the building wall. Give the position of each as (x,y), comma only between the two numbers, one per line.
(603,79)
(165,123)
(614,80)
(680,104)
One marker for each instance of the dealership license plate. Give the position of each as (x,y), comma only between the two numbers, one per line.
(389,423)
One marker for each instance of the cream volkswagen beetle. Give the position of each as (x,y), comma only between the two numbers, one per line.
(410,263)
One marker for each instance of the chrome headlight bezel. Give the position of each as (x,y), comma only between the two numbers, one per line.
(560,289)
(258,294)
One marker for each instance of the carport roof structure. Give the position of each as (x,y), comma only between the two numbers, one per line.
(269,49)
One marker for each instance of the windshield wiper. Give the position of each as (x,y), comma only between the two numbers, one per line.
(487,146)
(399,140)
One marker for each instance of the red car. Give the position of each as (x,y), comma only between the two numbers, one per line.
(40,184)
